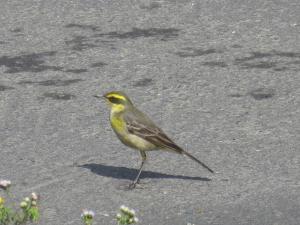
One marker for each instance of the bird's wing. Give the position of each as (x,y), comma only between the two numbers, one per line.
(143,127)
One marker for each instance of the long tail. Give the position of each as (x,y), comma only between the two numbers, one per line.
(168,144)
(197,160)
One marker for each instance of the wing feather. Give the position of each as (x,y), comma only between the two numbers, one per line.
(151,133)
(141,126)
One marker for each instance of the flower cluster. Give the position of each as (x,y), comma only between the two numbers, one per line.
(5,184)
(28,210)
(87,216)
(126,216)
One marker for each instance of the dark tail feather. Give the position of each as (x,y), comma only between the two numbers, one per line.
(198,161)
(170,145)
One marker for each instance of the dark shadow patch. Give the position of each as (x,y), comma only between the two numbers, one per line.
(143,83)
(98,64)
(161,33)
(57,83)
(262,93)
(215,64)
(287,54)
(130,174)
(104,43)
(236,46)
(58,96)
(254,55)
(151,6)
(34,62)
(2,42)
(76,70)
(259,65)
(193,52)
(80,43)
(107,42)
(236,95)
(17,30)
(276,60)
(4,88)
(82,26)
(297,62)
(281,69)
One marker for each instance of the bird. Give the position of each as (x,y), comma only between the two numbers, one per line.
(136,130)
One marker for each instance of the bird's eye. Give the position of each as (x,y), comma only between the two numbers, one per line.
(115,100)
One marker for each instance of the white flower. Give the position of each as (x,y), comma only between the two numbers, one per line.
(33,203)
(23,204)
(124,209)
(84,213)
(87,213)
(135,219)
(34,196)
(91,214)
(119,216)
(131,212)
(27,199)
(5,184)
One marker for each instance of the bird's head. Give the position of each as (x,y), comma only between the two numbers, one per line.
(117,100)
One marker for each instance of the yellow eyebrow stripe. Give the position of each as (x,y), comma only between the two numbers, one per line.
(117,96)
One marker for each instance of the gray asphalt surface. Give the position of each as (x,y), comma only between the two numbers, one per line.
(222,78)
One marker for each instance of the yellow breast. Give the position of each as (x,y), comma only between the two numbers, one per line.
(131,140)
(117,124)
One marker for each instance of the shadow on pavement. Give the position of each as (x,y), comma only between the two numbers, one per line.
(130,174)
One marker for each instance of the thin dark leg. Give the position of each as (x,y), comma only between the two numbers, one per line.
(136,180)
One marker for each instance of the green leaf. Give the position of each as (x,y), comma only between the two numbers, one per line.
(5,215)
(33,214)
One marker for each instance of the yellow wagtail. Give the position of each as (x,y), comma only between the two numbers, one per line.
(137,131)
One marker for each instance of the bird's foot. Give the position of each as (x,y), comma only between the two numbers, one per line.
(132,185)
(135,185)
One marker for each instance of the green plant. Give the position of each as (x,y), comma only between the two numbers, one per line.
(87,216)
(27,211)
(126,216)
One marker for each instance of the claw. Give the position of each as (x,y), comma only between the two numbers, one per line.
(132,185)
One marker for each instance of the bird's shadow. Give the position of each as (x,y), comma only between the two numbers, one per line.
(130,174)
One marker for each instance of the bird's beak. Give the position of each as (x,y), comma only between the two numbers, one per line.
(100,97)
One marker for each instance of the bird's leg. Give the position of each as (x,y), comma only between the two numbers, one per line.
(136,180)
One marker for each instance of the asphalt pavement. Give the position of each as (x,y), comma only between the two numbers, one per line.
(221,78)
